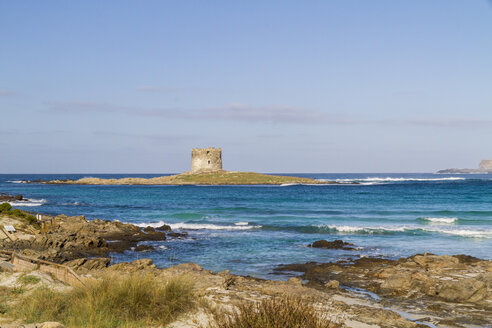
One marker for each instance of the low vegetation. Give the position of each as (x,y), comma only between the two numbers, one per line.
(136,300)
(5,208)
(282,312)
(213,178)
(28,279)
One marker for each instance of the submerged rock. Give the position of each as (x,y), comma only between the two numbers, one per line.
(144,248)
(336,244)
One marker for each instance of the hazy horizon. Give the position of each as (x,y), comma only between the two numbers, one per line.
(282,87)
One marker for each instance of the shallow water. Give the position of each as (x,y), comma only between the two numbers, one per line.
(250,229)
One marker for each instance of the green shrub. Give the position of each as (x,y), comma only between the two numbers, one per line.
(16,212)
(23,215)
(29,279)
(282,312)
(133,301)
(30,219)
(5,207)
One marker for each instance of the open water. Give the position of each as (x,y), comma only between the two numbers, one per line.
(251,229)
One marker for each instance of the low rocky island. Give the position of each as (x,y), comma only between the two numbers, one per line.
(206,178)
(484,167)
(206,169)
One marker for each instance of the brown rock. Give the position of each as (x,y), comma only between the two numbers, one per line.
(144,248)
(333,284)
(336,244)
(464,290)
(84,265)
(137,265)
(149,229)
(295,281)
(178,234)
(164,227)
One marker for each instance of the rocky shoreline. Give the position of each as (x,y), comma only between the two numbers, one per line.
(423,290)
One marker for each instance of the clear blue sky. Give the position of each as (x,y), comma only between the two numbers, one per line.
(281,86)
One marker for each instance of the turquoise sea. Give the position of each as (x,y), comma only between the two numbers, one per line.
(251,229)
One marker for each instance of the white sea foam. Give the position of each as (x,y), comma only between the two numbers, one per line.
(241,223)
(71,204)
(475,233)
(389,179)
(162,247)
(28,202)
(17,181)
(199,226)
(444,220)
(450,230)
(369,230)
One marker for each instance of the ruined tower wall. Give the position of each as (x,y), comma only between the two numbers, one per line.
(206,160)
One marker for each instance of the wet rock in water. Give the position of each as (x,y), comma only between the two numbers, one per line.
(164,227)
(10,198)
(178,234)
(144,248)
(149,229)
(336,244)
(155,235)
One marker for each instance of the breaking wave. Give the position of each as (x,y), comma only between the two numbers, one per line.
(377,180)
(386,230)
(28,202)
(443,220)
(200,226)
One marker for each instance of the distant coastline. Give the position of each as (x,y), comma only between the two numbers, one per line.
(484,167)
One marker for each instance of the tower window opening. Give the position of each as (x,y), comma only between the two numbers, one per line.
(208,162)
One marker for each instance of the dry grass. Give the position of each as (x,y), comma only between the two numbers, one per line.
(132,301)
(282,312)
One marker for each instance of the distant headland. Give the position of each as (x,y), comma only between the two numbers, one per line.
(485,166)
(206,169)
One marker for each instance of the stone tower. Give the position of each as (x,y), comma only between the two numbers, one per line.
(206,160)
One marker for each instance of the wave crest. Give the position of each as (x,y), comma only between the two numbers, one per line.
(200,226)
(378,180)
(443,220)
(383,230)
(28,202)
